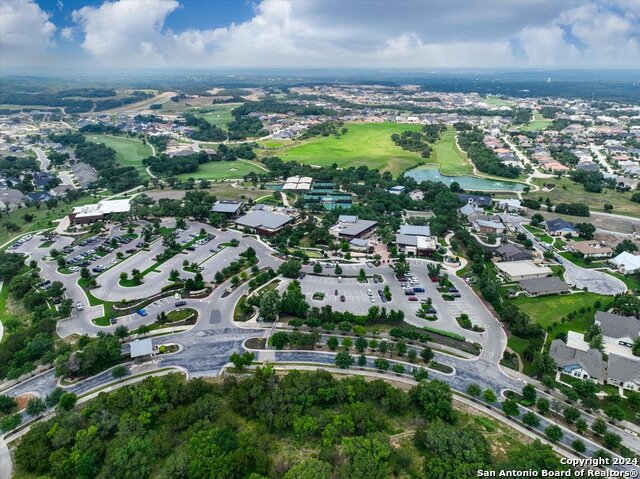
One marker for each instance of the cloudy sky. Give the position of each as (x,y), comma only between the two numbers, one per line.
(226,34)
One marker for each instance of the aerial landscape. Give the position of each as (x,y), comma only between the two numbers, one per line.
(319,239)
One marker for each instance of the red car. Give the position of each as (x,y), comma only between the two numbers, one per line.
(434,279)
(413,298)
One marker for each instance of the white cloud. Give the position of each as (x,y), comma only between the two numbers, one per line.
(67,33)
(125,32)
(26,33)
(349,33)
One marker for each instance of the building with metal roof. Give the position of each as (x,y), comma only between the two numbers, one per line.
(263,222)
(544,286)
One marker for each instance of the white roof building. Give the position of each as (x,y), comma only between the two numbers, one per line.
(519,270)
(626,262)
(141,347)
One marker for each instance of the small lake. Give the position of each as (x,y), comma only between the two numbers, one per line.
(472,183)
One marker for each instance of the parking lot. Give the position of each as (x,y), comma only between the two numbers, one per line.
(356,295)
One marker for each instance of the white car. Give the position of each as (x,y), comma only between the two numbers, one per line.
(339,279)
(369,292)
(373,300)
(79,306)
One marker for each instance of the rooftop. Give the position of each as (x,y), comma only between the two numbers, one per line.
(590,360)
(550,284)
(141,347)
(264,219)
(415,230)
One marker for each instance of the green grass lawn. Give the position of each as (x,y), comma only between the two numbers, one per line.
(568,191)
(452,161)
(218,115)
(222,170)
(43,218)
(540,234)
(367,144)
(518,345)
(496,101)
(549,311)
(129,151)
(581,262)
(632,281)
(538,123)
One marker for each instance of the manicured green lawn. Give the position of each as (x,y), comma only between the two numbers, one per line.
(129,151)
(518,345)
(540,234)
(632,281)
(179,315)
(367,144)
(451,159)
(538,123)
(43,218)
(548,311)
(222,170)
(581,262)
(218,115)
(567,191)
(495,101)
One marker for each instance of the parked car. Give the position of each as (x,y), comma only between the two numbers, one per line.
(339,279)
(453,290)
(430,310)
(335,292)
(413,298)
(342,298)
(182,302)
(79,306)
(409,292)
(418,290)
(113,320)
(142,312)
(302,275)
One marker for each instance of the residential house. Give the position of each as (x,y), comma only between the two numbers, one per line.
(590,249)
(559,227)
(513,252)
(475,200)
(626,263)
(520,270)
(511,205)
(624,372)
(618,330)
(544,286)
(576,358)
(488,226)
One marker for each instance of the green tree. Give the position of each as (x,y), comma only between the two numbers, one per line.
(269,305)
(426,354)
(571,414)
(578,446)
(366,457)
(531,420)
(332,343)
(543,405)
(119,372)
(535,456)
(317,268)
(67,401)
(35,406)
(362,360)
(435,400)
(310,468)
(290,269)
(581,426)
(381,364)
(489,396)
(554,433)
(510,408)
(615,412)
(9,423)
(599,426)
(398,368)
(611,440)
(474,390)
(344,360)
(7,404)
(529,393)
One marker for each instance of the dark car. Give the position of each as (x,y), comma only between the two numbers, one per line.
(342,298)
(97,269)
(408,292)
(431,311)
(191,248)
(335,292)
(302,275)
(113,320)
(456,295)
(418,290)
(140,244)
(453,290)
(180,303)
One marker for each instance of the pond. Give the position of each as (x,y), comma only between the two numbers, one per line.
(472,183)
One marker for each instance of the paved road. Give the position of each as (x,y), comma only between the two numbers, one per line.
(594,281)
(42,158)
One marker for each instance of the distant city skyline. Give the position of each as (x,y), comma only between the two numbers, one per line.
(169,34)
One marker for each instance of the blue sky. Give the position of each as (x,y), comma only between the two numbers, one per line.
(226,34)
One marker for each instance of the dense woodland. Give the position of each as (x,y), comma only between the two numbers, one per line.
(79,100)
(103,159)
(300,425)
(485,159)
